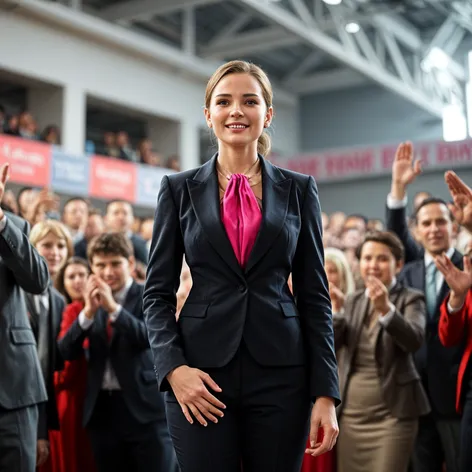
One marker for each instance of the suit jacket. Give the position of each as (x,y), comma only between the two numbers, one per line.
(394,347)
(228,303)
(437,365)
(141,252)
(453,328)
(129,354)
(397,223)
(48,416)
(80,248)
(21,267)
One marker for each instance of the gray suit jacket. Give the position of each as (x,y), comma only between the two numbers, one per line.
(396,342)
(21,267)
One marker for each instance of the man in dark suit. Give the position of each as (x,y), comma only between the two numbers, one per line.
(123,412)
(22,386)
(439,433)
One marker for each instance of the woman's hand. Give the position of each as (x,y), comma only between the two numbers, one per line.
(378,295)
(462,195)
(337,298)
(323,415)
(190,388)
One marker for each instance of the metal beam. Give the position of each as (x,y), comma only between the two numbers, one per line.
(314,59)
(327,81)
(231,29)
(330,46)
(189,31)
(144,9)
(77,22)
(251,42)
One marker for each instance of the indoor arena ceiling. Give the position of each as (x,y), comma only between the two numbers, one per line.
(415,48)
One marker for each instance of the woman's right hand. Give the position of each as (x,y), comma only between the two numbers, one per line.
(337,298)
(190,389)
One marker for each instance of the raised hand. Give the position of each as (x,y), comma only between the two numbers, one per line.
(190,389)
(459,281)
(404,169)
(3,181)
(91,297)
(462,196)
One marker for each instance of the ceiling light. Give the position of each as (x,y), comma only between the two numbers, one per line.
(352,28)
(333,2)
(437,59)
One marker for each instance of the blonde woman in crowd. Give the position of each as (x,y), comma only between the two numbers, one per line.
(341,285)
(382,395)
(52,240)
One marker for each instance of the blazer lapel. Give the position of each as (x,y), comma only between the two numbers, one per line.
(275,197)
(205,198)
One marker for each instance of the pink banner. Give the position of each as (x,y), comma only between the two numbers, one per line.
(30,161)
(346,164)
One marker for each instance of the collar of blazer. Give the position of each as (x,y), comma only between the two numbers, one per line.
(204,195)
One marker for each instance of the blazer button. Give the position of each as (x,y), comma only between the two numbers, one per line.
(242,288)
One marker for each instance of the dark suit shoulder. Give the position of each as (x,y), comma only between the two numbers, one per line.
(19,222)
(410,293)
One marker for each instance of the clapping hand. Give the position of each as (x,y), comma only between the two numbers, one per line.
(337,298)
(3,181)
(462,196)
(91,297)
(378,294)
(459,281)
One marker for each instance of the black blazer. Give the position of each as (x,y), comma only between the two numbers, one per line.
(21,268)
(48,415)
(227,303)
(397,223)
(129,354)
(437,365)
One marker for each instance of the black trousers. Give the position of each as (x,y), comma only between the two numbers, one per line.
(121,444)
(18,436)
(466,435)
(265,424)
(438,441)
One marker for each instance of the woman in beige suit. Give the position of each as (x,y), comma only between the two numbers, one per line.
(380,328)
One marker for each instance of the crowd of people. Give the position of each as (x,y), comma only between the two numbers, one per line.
(399,292)
(117,145)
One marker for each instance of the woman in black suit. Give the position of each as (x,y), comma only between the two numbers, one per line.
(246,358)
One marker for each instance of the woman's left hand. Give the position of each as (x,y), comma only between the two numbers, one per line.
(323,415)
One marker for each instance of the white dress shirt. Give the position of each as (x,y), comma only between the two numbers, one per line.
(110,381)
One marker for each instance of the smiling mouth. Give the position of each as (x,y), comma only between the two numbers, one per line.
(237,126)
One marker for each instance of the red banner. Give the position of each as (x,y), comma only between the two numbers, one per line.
(112,179)
(30,161)
(373,161)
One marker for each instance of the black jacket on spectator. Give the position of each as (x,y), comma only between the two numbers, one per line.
(48,415)
(397,222)
(437,365)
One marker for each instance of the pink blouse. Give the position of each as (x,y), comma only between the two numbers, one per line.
(242,216)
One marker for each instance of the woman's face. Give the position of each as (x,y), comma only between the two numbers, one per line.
(54,251)
(238,112)
(75,278)
(334,277)
(378,261)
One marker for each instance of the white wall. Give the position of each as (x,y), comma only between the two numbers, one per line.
(84,65)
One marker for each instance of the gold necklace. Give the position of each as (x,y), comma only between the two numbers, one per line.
(228,175)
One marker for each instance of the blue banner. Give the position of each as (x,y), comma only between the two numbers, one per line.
(70,174)
(149,181)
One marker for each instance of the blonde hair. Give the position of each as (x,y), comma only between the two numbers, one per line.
(40,230)
(337,257)
(243,67)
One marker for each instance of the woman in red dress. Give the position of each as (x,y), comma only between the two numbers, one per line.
(72,381)
(341,284)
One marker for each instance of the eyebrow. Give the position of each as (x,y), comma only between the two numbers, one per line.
(244,95)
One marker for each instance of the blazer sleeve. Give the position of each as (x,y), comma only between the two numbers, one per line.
(397,223)
(162,283)
(71,343)
(132,328)
(27,266)
(310,286)
(452,326)
(68,377)
(408,328)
